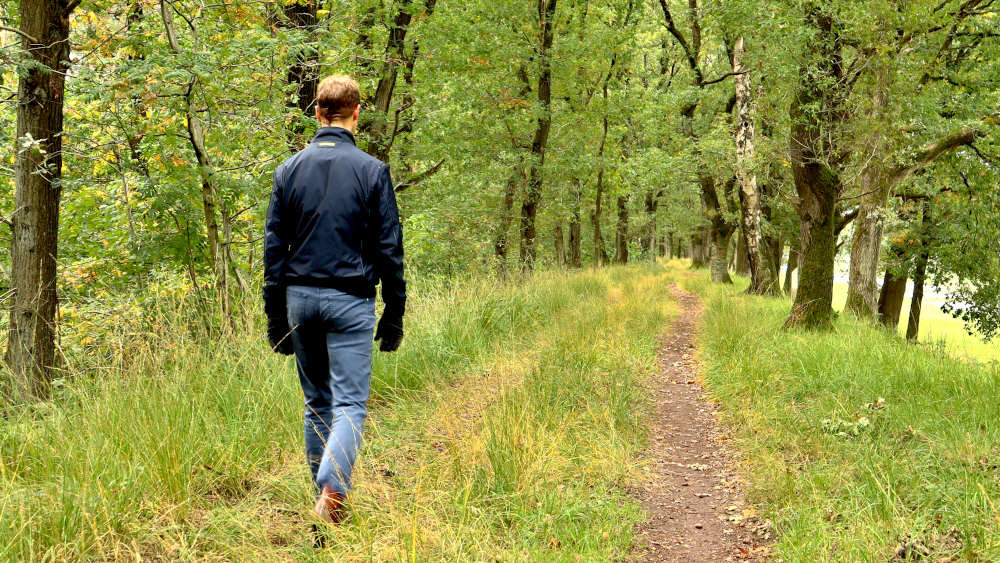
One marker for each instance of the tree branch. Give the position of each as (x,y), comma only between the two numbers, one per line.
(692,56)
(846,219)
(721,78)
(19,32)
(933,151)
(414,180)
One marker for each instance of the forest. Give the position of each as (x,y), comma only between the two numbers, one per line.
(805,166)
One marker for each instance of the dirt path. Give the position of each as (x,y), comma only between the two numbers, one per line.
(691,493)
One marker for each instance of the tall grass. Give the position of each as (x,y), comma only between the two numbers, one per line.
(859,446)
(502,429)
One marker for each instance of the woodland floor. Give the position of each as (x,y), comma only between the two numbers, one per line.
(691,492)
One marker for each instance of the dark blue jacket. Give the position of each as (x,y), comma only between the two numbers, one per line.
(333,222)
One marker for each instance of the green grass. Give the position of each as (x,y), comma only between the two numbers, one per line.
(854,441)
(939,328)
(505,428)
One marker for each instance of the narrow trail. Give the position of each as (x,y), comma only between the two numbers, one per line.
(691,492)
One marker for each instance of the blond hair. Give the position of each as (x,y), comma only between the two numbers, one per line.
(337,96)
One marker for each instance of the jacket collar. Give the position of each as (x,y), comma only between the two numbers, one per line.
(334,134)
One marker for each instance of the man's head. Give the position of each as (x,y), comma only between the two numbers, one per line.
(338,99)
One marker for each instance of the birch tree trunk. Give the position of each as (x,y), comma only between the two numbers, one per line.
(762,277)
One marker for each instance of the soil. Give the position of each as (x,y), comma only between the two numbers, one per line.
(691,493)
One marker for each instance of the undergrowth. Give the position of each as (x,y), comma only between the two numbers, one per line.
(505,428)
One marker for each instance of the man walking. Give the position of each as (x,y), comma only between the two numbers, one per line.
(332,234)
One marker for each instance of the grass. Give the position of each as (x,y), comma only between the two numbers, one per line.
(504,429)
(939,328)
(857,445)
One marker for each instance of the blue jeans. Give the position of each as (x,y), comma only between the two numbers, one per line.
(332,338)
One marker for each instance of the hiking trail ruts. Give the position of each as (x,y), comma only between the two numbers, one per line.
(690,492)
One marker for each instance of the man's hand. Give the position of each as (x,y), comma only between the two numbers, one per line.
(390,332)
(279,338)
(277,320)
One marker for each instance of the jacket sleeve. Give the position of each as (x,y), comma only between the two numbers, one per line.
(275,241)
(389,245)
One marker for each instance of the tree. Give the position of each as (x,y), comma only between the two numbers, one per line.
(31,350)
(816,155)
(763,280)
(533,193)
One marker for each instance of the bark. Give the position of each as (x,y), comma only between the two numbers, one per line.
(777,253)
(812,149)
(560,244)
(719,231)
(719,260)
(793,264)
(575,258)
(596,217)
(920,275)
(762,275)
(34,242)
(529,207)
(304,72)
(919,278)
(741,262)
(700,248)
(501,244)
(621,232)
(890,302)
(649,241)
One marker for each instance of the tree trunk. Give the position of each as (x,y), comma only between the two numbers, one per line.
(575,259)
(762,275)
(916,304)
(719,260)
(742,262)
(793,264)
(812,147)
(34,243)
(777,254)
(700,248)
(652,204)
(621,232)
(719,231)
(890,302)
(501,244)
(304,72)
(529,207)
(560,244)
(920,275)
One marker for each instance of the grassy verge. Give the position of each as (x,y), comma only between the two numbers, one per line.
(501,430)
(858,446)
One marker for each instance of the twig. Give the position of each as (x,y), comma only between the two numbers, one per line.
(19,32)
(723,77)
(414,180)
